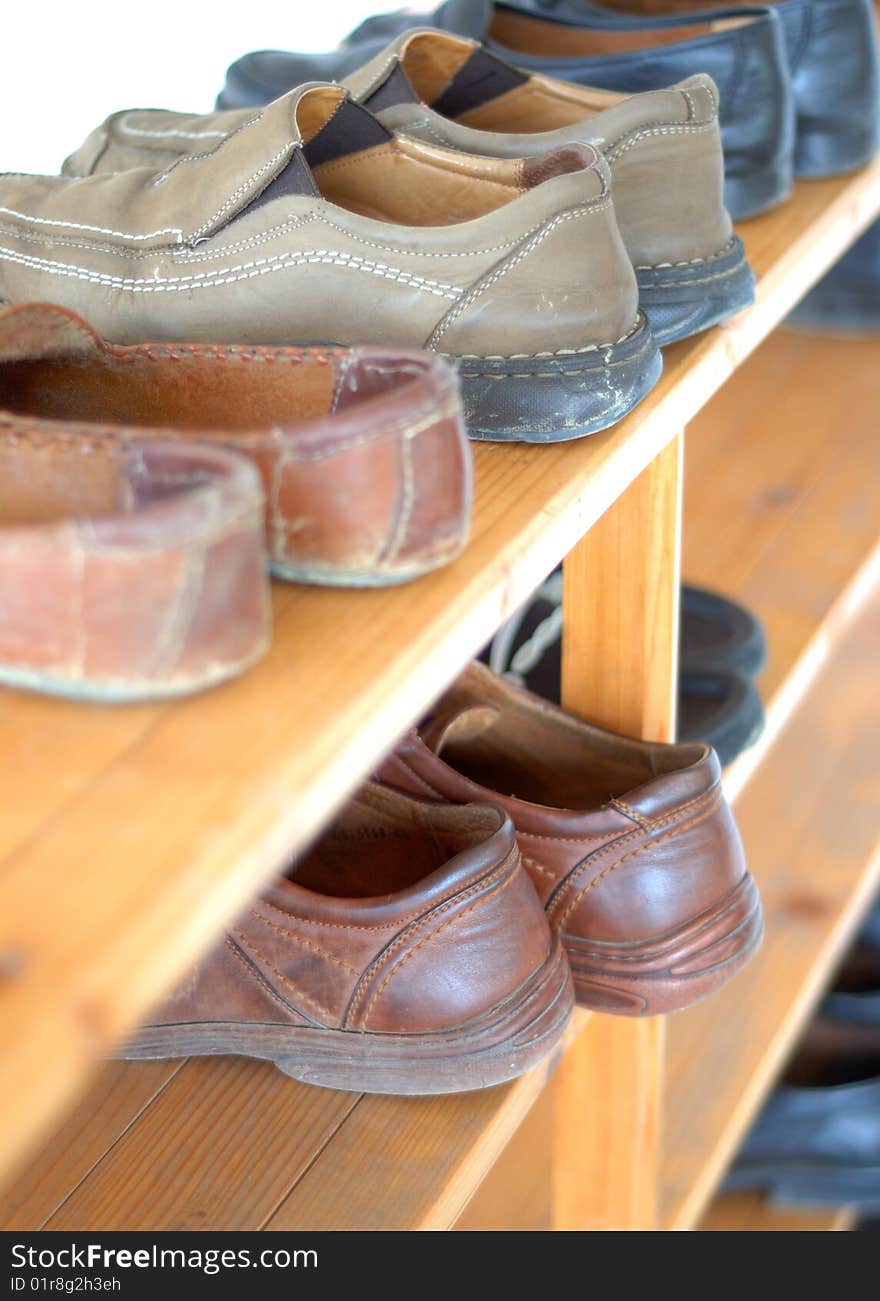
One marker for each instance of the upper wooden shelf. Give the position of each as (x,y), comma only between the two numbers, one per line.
(130,835)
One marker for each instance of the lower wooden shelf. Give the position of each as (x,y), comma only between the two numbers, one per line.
(234,1144)
(746,1213)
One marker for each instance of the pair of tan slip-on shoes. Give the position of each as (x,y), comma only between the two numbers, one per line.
(434,937)
(312,221)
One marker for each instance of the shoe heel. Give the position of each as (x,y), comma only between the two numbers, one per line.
(555,397)
(682,300)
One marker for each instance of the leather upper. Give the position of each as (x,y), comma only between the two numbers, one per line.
(363,454)
(399,920)
(314,222)
(625,840)
(831,56)
(742,48)
(663,147)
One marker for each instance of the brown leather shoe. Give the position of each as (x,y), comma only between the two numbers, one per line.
(631,845)
(363,452)
(128,571)
(407,953)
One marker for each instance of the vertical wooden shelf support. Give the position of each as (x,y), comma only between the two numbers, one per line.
(619,658)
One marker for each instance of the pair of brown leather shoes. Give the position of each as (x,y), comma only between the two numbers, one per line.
(428,941)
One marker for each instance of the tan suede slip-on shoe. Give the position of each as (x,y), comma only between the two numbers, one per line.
(663,148)
(363,455)
(406,953)
(631,845)
(313,224)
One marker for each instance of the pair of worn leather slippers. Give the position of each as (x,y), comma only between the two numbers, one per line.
(144,490)
(511,859)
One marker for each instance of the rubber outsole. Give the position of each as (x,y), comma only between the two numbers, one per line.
(492,1049)
(682,299)
(557,397)
(123,693)
(674,971)
(362,578)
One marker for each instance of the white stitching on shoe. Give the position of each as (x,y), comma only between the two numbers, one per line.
(184,254)
(691,262)
(613,152)
(477,290)
(99,230)
(122,125)
(243,188)
(560,352)
(248,271)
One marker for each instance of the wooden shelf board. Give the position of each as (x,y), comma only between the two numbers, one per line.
(748,1213)
(130,836)
(233,1144)
(781,507)
(811,835)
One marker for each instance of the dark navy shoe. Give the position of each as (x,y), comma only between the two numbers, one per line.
(835,72)
(818,1138)
(831,46)
(741,48)
(847,300)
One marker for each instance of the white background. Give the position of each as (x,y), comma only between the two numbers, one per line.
(67,64)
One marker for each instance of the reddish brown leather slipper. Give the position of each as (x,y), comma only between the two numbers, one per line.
(128,570)
(363,452)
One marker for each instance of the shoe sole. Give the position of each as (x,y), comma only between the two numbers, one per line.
(674,971)
(492,1049)
(806,1183)
(556,397)
(128,692)
(372,578)
(681,299)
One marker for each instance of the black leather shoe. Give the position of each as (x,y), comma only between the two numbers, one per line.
(742,48)
(719,634)
(818,1138)
(721,643)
